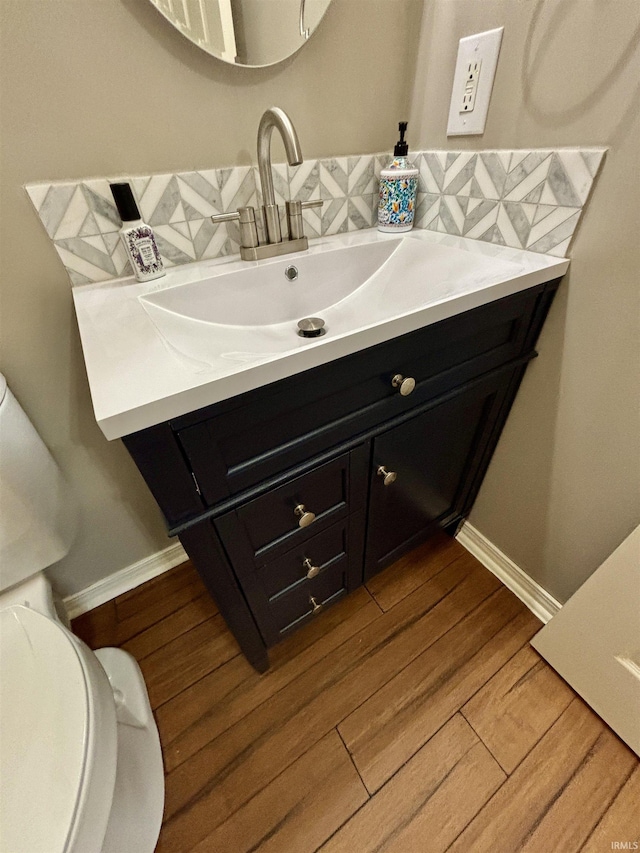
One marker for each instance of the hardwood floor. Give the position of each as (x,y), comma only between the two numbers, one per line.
(413,716)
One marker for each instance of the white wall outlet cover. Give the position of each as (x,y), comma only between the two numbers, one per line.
(473,81)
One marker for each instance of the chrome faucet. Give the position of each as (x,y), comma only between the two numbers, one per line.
(250,249)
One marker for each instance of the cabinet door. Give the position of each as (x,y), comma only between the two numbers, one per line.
(432,456)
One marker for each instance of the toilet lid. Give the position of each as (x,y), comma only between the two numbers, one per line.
(43,732)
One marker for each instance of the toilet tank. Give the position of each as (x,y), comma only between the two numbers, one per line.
(37,509)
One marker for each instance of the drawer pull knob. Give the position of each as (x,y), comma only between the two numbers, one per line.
(406,384)
(389,476)
(314,604)
(311,570)
(305,518)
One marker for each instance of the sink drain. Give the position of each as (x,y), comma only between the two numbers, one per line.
(311,327)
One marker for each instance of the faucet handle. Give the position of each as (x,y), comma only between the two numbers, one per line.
(294,216)
(248,229)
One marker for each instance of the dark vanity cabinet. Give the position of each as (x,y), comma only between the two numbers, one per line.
(289,496)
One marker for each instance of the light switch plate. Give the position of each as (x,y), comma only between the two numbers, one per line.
(473,82)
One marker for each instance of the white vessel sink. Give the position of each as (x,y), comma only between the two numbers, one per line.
(215,329)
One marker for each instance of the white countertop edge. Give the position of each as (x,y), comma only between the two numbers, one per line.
(151,413)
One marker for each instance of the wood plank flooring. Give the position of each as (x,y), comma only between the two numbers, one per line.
(413,716)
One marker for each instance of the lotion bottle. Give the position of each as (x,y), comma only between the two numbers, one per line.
(398,187)
(138,237)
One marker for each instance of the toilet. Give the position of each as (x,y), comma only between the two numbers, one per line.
(80,760)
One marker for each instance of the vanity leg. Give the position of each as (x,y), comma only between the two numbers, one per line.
(202,545)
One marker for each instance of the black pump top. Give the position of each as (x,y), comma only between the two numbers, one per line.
(125,202)
(402,147)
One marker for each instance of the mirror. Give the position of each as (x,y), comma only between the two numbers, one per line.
(252,33)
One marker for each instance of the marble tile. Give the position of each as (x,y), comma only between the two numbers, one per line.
(119,257)
(458,174)
(426,180)
(85,263)
(175,246)
(37,194)
(481,219)
(92,250)
(427,209)
(480,214)
(541,211)
(555,228)
(514,223)
(560,184)
(53,205)
(435,162)
(361,175)
(200,194)
(493,167)
(335,216)
(159,199)
(237,188)
(493,235)
(521,198)
(334,178)
(101,204)
(592,159)
(313,221)
(451,215)
(533,169)
(360,210)
(77,218)
(380,162)
(211,241)
(304,181)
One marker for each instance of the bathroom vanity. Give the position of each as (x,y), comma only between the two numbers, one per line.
(294,492)
(289,496)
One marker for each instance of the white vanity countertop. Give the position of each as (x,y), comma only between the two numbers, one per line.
(140,376)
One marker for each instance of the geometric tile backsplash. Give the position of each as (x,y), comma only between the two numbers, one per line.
(526,199)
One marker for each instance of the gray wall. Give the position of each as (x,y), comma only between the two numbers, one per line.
(562,491)
(97,87)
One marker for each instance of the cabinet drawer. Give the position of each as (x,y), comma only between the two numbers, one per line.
(308,560)
(268,527)
(304,601)
(239,442)
(280,592)
(325,566)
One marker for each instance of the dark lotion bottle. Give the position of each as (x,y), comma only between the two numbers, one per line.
(138,237)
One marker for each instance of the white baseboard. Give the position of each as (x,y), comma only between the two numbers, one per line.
(124,580)
(537,599)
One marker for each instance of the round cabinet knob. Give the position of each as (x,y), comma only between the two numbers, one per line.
(304,518)
(311,570)
(314,604)
(405,384)
(389,476)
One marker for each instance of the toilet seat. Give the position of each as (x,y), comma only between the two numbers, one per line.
(55,724)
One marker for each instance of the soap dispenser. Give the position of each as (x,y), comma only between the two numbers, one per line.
(398,187)
(138,237)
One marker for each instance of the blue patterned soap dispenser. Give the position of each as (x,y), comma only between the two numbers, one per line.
(398,187)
